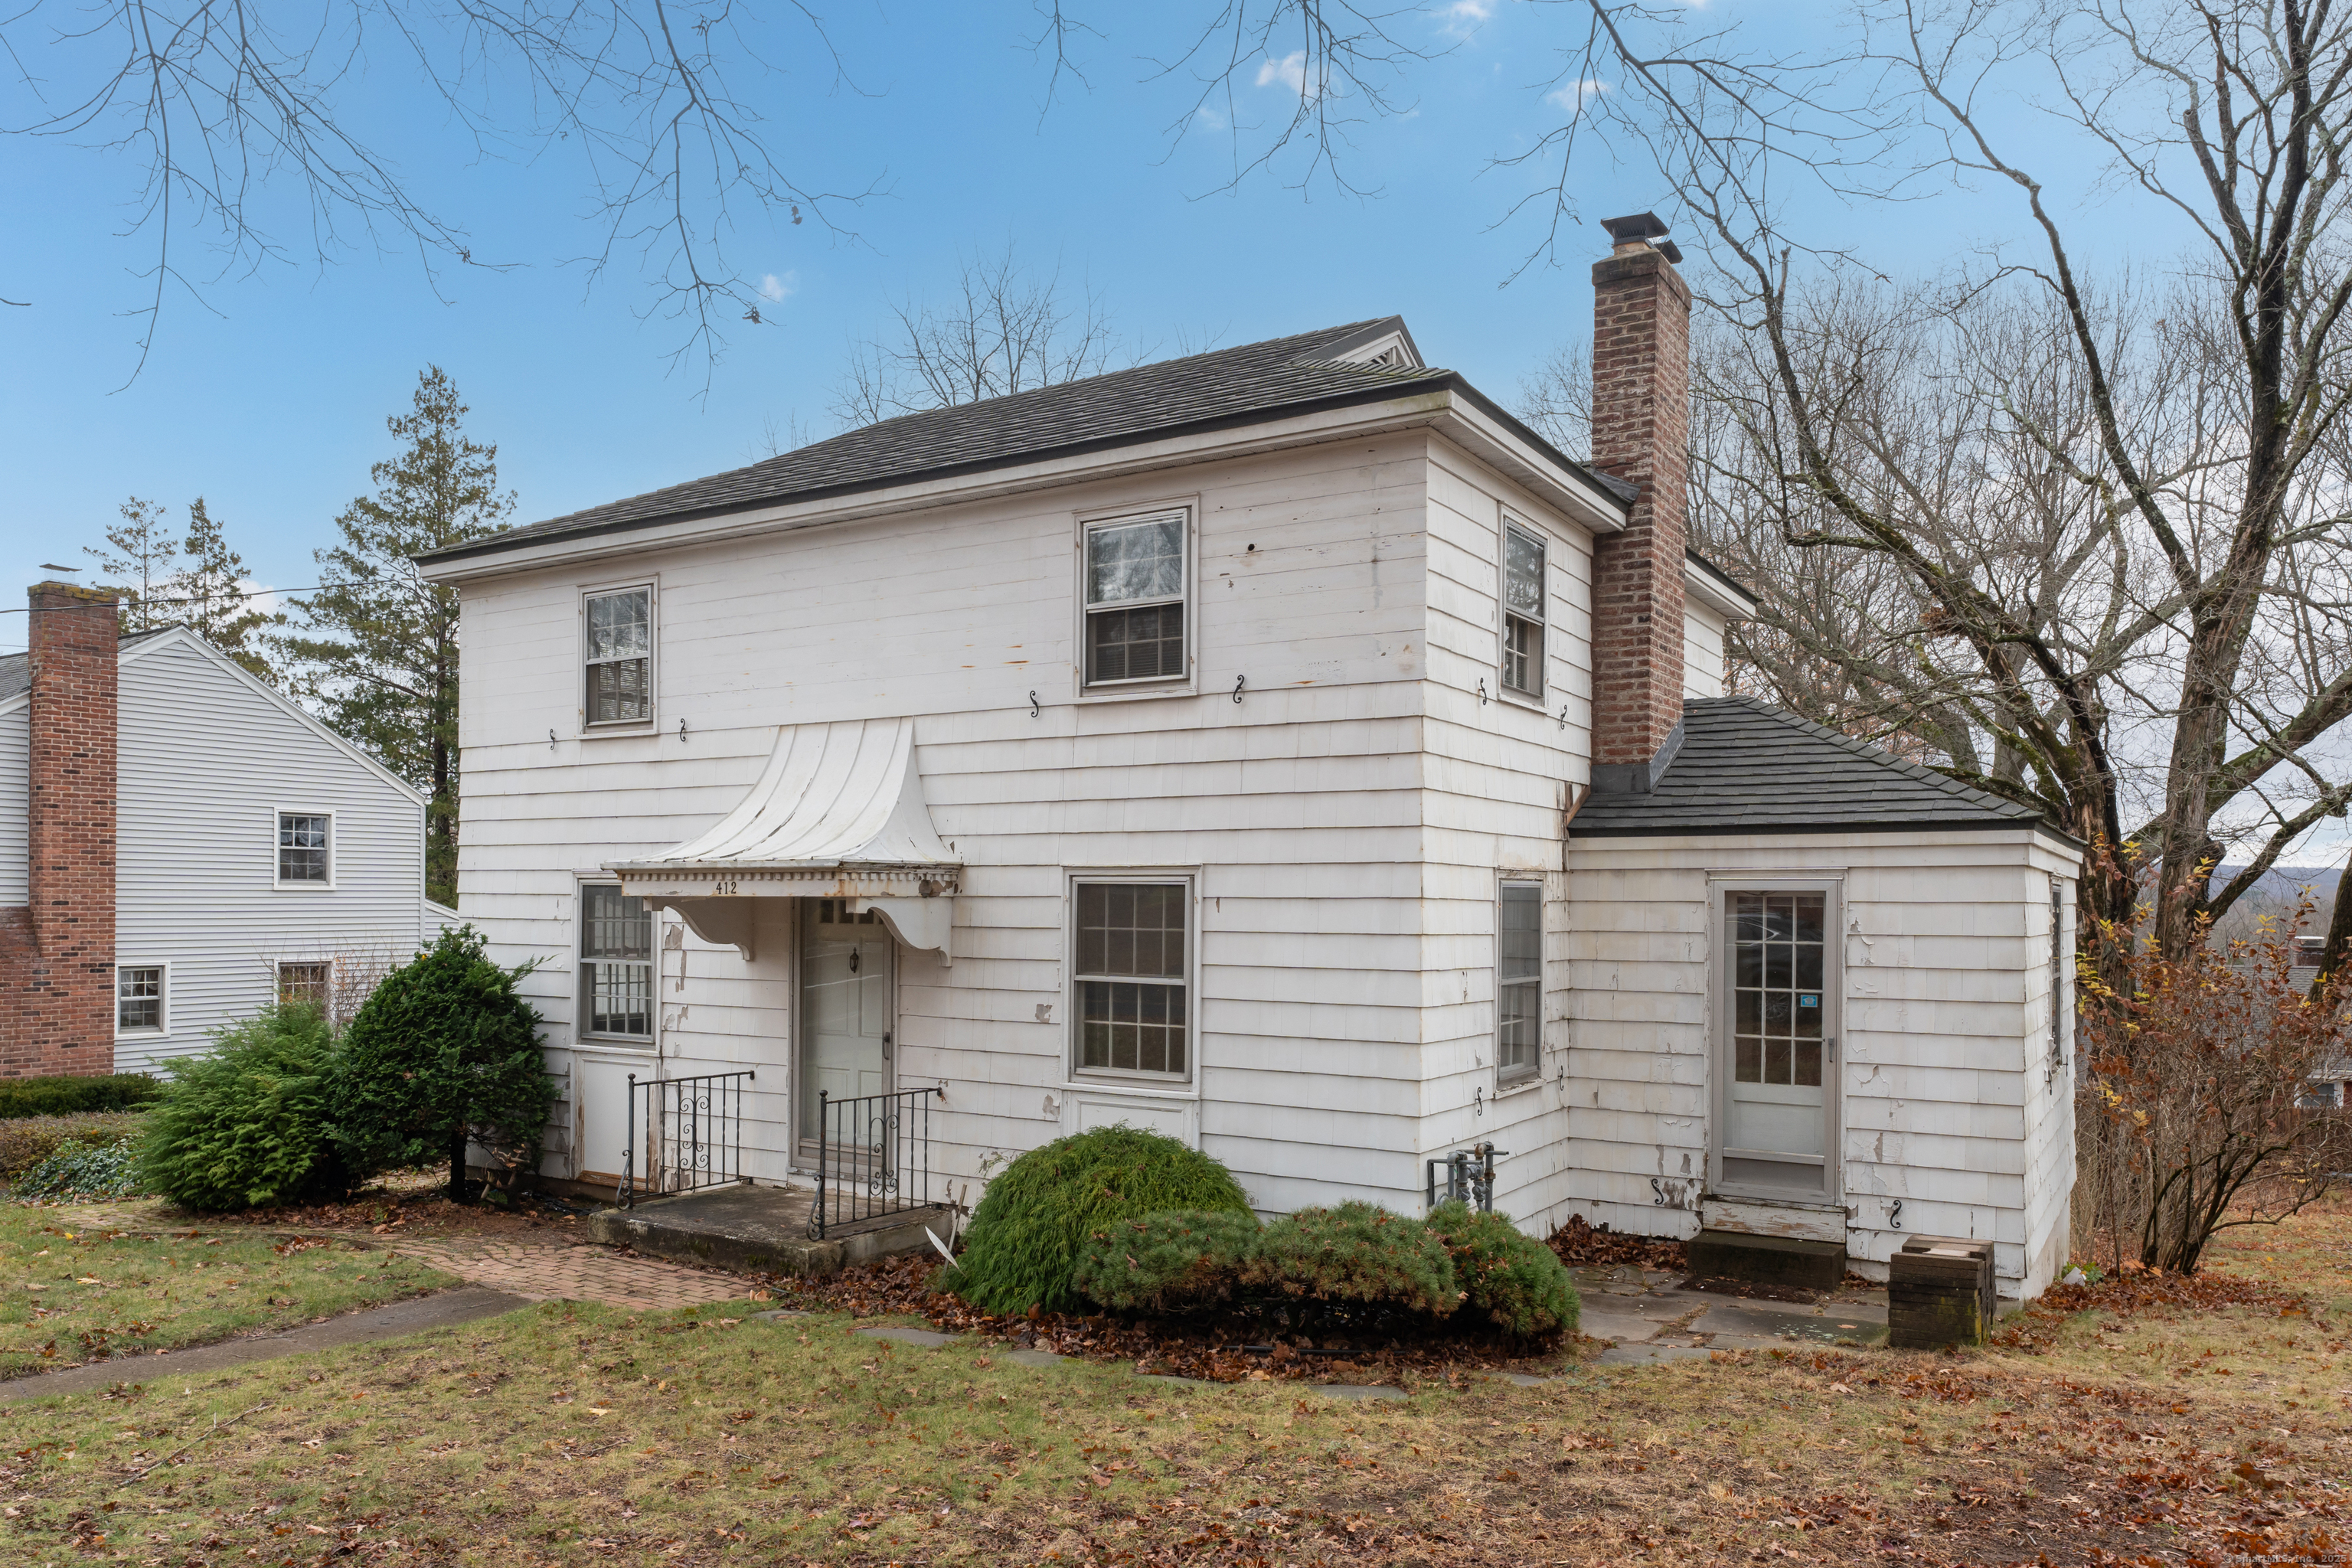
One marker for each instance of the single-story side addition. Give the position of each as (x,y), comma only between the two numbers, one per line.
(1282,747)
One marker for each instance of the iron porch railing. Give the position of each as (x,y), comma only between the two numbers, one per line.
(690,1136)
(872,1157)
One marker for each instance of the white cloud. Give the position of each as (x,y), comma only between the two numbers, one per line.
(1571,97)
(1290,71)
(1209,117)
(258,597)
(775,285)
(1460,19)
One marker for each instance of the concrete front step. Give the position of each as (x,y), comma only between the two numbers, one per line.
(756,1230)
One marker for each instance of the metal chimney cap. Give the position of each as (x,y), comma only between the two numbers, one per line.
(1640,226)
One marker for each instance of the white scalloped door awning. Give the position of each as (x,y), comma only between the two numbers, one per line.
(838,813)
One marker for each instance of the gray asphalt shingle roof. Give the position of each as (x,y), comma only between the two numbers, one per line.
(1748,767)
(16,668)
(1225,387)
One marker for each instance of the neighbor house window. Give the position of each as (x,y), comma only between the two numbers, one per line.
(1131,976)
(1523,611)
(616,963)
(621,657)
(305,984)
(1519,980)
(305,848)
(1135,600)
(139,999)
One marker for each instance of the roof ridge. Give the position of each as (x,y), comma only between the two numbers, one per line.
(1873,753)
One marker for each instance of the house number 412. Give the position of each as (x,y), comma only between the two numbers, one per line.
(723,886)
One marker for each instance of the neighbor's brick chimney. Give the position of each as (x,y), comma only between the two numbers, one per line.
(57,956)
(1641,427)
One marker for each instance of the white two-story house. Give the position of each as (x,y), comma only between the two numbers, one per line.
(1282,747)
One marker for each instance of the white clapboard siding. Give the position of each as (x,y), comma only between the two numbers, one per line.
(1703,651)
(208,758)
(1944,1104)
(16,794)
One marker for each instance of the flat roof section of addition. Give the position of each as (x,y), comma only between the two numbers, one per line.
(1223,389)
(1744,766)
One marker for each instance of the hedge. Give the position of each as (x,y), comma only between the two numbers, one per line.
(21,1097)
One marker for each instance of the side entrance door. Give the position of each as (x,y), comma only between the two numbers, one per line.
(1777,1066)
(847,1010)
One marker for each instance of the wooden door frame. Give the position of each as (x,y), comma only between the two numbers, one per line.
(802,1151)
(1719,887)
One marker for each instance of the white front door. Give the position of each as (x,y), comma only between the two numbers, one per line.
(1778,1061)
(845,1007)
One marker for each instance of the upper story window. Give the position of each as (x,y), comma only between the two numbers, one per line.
(616,963)
(306,849)
(1135,599)
(139,999)
(621,657)
(1523,611)
(1519,981)
(1131,978)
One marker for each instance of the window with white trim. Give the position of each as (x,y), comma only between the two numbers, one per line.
(620,656)
(305,848)
(616,963)
(2058,1007)
(139,999)
(1519,981)
(306,984)
(1135,600)
(1523,611)
(1131,977)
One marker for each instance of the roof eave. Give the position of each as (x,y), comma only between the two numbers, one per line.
(1715,827)
(1441,397)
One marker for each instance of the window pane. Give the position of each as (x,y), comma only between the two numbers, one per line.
(1131,929)
(301,848)
(139,997)
(1144,644)
(620,626)
(1515,1012)
(1749,1063)
(303,984)
(1523,656)
(620,998)
(1132,561)
(619,690)
(1521,947)
(614,925)
(1128,928)
(1523,574)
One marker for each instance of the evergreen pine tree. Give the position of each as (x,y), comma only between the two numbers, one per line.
(377,643)
(212,600)
(144,556)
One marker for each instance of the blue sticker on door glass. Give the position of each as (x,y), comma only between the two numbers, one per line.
(1807,999)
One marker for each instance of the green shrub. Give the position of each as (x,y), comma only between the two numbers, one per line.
(1515,1281)
(70,1096)
(1176,1261)
(26,1141)
(1355,1255)
(1027,1231)
(84,1171)
(444,1051)
(245,1123)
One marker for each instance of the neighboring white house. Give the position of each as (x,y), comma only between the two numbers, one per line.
(1213,746)
(256,852)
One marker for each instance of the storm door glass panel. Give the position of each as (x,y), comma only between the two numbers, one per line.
(620,656)
(1776,1109)
(616,953)
(1135,600)
(1518,979)
(1130,971)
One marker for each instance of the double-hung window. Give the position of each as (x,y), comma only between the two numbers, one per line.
(1131,978)
(305,849)
(620,656)
(1135,600)
(139,999)
(309,984)
(1519,981)
(1523,611)
(616,964)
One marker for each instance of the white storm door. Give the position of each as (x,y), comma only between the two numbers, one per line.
(1779,1064)
(845,1007)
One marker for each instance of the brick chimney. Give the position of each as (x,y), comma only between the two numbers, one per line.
(57,955)
(1641,427)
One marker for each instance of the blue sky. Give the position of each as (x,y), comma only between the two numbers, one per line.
(267,396)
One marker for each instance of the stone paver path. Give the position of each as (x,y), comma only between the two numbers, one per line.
(566,1273)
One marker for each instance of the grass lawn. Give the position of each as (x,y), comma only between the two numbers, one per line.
(2172,1432)
(69,1294)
